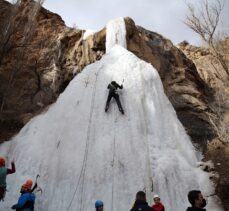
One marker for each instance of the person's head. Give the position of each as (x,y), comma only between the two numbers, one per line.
(2,161)
(99,205)
(27,186)
(196,199)
(156,199)
(141,196)
(113,82)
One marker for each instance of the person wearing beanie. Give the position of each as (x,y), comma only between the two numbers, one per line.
(140,203)
(99,205)
(28,184)
(197,201)
(3,173)
(27,199)
(157,206)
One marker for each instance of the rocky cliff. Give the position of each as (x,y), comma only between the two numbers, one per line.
(212,73)
(39,56)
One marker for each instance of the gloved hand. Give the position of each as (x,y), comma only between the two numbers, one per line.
(14,207)
(13,162)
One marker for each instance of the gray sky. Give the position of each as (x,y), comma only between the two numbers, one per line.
(162,16)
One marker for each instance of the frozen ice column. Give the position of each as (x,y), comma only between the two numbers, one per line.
(115,33)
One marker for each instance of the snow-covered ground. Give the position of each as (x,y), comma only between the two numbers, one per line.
(84,154)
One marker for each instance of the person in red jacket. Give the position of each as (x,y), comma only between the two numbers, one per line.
(157,206)
(3,173)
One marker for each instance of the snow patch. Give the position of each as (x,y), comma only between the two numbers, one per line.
(207,166)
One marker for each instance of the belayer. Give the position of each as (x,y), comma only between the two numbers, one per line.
(157,206)
(99,205)
(113,86)
(197,201)
(140,203)
(3,173)
(27,199)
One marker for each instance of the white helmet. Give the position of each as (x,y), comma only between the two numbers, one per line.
(156,196)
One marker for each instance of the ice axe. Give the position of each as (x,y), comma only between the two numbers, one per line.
(123,81)
(36,186)
(37,178)
(39,190)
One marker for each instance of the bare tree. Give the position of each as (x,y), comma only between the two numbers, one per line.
(205,21)
(221,126)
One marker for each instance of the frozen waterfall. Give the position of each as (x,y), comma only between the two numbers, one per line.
(84,154)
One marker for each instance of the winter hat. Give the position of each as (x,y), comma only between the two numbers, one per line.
(156,196)
(28,185)
(98,204)
(2,161)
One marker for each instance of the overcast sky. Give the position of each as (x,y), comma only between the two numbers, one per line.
(162,16)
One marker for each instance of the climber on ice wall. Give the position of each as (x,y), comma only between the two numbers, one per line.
(113,86)
(3,173)
(27,199)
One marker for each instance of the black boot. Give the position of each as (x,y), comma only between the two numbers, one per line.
(121,110)
(106,108)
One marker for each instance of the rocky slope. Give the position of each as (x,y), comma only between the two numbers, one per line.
(217,150)
(39,55)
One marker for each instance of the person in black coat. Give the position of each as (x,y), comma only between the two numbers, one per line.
(197,201)
(140,203)
(113,86)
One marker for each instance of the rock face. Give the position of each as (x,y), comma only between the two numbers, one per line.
(217,150)
(39,56)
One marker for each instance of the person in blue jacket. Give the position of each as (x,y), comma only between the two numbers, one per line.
(27,199)
(99,205)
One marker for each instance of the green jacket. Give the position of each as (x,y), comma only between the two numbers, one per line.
(3,173)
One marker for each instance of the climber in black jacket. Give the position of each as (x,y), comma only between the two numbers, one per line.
(113,86)
(197,201)
(140,203)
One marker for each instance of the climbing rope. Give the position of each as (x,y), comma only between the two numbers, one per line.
(113,161)
(84,165)
(114,154)
(146,137)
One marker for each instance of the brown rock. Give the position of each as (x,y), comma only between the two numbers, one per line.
(217,150)
(37,66)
